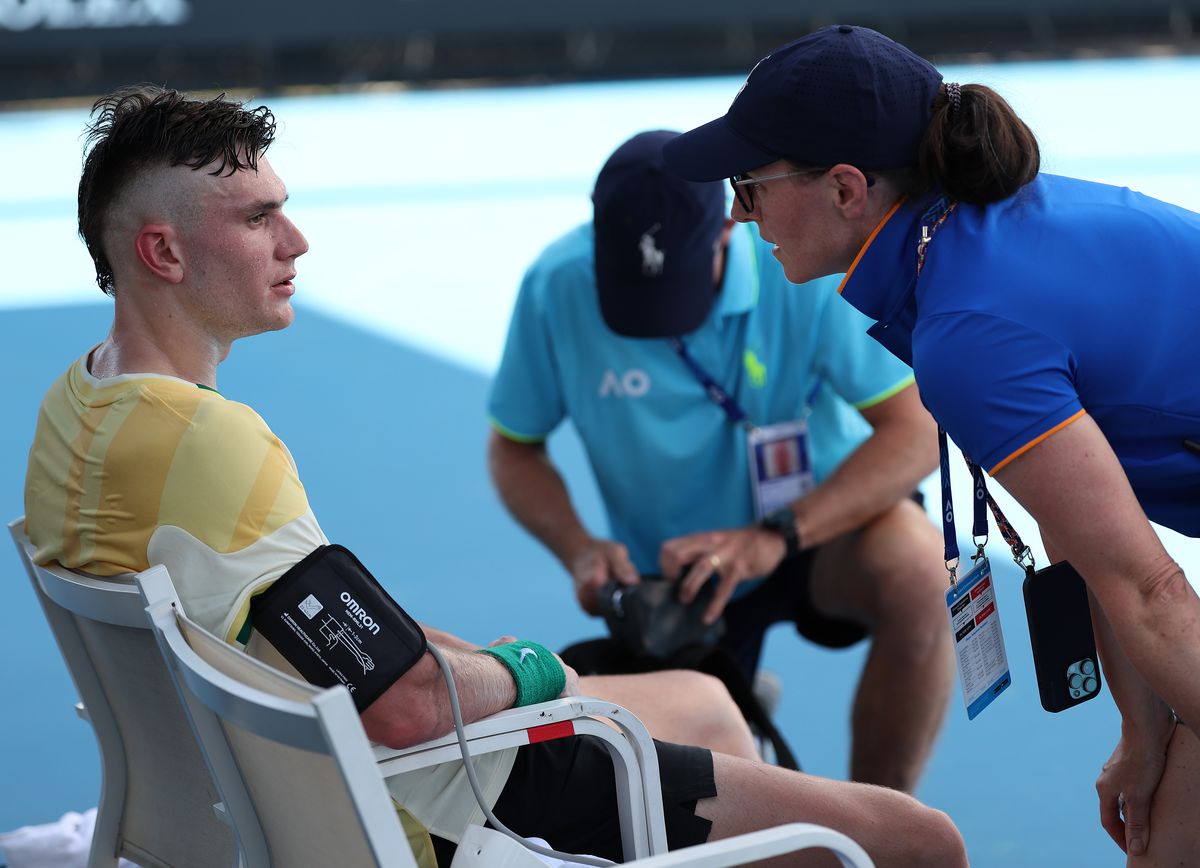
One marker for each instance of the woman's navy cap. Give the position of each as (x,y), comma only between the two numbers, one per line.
(654,242)
(841,94)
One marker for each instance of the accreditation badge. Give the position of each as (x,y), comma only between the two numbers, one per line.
(978,642)
(780,465)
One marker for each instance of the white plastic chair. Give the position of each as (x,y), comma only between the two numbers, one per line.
(632,750)
(157,803)
(485,848)
(301,783)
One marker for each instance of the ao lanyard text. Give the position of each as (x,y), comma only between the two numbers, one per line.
(979,528)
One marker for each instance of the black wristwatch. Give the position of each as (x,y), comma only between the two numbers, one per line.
(783,522)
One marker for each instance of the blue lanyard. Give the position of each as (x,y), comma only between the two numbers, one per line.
(716,392)
(979,528)
(712,388)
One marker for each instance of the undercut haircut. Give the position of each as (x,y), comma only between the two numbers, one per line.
(145,126)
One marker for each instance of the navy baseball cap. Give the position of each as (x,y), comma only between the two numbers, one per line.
(655,235)
(841,94)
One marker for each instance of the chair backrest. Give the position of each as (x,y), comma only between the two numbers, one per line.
(157,796)
(294,766)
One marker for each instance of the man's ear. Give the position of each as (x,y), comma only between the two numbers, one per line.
(158,248)
(850,188)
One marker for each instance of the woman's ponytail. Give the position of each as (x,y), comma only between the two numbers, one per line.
(976,147)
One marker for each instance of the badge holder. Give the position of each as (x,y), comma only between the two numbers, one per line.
(780,465)
(778,455)
(971,602)
(1056,606)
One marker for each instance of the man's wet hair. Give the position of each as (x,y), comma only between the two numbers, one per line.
(145,126)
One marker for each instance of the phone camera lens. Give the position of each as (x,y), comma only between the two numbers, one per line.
(1088,667)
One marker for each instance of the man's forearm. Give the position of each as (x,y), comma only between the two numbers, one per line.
(882,471)
(417,707)
(447,640)
(535,494)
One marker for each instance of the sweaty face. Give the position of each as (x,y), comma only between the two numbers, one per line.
(239,254)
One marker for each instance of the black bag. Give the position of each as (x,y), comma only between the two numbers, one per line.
(611,657)
(649,620)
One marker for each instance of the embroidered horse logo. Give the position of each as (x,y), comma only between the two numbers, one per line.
(652,257)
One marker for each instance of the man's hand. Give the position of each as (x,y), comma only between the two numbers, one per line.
(593,563)
(734,555)
(571,688)
(1127,783)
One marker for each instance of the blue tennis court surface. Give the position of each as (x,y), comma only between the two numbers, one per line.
(423,209)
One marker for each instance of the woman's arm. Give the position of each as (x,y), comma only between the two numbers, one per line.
(1073,485)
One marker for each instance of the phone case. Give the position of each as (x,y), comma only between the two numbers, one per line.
(1060,634)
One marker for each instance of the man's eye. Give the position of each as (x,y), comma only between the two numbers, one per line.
(258,218)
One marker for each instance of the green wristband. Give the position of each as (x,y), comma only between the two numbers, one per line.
(538,674)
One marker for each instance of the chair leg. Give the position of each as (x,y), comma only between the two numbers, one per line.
(107,829)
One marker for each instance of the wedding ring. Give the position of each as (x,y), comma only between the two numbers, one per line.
(714,561)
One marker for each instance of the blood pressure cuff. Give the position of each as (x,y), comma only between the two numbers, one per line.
(335,623)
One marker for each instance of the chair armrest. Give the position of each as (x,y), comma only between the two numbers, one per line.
(754,846)
(544,721)
(627,740)
(487,848)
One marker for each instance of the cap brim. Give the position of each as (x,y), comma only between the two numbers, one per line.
(672,316)
(713,152)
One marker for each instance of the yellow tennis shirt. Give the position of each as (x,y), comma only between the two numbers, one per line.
(143,469)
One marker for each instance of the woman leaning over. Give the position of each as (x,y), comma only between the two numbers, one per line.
(1050,322)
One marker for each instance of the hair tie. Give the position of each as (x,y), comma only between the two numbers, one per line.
(954,94)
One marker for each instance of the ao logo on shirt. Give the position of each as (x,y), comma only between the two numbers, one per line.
(632,384)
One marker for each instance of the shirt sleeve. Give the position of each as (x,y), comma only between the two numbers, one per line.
(998,387)
(234,516)
(526,401)
(861,371)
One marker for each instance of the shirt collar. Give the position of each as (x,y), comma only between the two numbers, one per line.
(739,286)
(882,280)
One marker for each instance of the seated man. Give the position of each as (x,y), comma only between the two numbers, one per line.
(138,460)
(738,425)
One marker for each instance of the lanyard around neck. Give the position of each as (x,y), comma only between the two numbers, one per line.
(717,393)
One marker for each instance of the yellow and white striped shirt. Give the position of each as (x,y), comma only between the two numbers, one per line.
(144,469)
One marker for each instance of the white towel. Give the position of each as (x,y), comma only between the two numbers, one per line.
(64,844)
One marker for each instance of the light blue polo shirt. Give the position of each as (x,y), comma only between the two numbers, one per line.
(666,458)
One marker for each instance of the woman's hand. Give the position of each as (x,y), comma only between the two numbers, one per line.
(1127,783)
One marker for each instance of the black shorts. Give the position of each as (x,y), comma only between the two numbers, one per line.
(565,792)
(785,595)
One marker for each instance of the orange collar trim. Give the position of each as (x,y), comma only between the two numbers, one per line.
(862,250)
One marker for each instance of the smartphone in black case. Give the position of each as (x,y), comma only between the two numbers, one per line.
(1060,633)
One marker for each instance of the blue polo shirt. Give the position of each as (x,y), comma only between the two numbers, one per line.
(666,458)
(1069,297)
